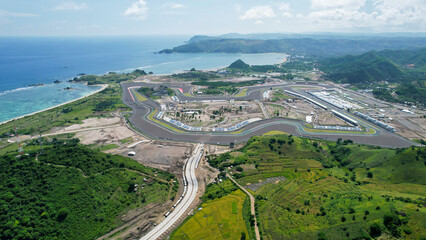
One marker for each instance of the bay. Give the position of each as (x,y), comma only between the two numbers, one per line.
(27,61)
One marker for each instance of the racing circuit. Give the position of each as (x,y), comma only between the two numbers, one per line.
(144,111)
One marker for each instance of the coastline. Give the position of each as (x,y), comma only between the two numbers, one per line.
(103,86)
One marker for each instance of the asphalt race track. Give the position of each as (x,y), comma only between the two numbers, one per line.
(141,110)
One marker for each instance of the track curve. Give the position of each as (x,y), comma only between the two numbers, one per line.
(156,129)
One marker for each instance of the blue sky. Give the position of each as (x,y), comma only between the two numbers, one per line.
(153,17)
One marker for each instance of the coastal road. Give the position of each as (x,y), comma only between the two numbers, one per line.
(188,198)
(158,129)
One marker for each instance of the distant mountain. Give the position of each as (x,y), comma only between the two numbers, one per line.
(388,65)
(325,35)
(296,46)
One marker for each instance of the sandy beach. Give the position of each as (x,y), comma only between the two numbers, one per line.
(103,86)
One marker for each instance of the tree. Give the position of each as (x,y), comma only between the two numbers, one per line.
(243,236)
(369,174)
(392,222)
(321,236)
(375,230)
(62,214)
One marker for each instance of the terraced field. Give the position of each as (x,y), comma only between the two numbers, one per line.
(221,218)
(333,190)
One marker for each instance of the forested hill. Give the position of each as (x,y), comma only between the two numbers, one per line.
(305,46)
(72,192)
(388,65)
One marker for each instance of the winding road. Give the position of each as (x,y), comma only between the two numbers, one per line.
(185,203)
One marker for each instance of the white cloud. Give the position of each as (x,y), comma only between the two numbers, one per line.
(383,15)
(286,15)
(258,22)
(400,12)
(284,6)
(285,10)
(345,4)
(138,10)
(173,5)
(6,14)
(70,6)
(258,12)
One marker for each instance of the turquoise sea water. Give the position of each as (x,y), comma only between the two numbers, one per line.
(25,61)
(32,99)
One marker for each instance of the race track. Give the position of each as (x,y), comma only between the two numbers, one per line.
(158,129)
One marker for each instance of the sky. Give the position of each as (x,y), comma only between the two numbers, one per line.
(208,17)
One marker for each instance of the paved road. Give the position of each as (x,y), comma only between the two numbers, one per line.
(183,206)
(155,130)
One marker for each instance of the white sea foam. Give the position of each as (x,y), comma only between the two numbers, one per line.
(17,90)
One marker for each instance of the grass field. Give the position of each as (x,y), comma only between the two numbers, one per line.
(220,218)
(152,118)
(139,96)
(126,140)
(242,93)
(271,133)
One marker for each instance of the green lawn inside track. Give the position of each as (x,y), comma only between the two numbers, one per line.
(332,190)
(73,192)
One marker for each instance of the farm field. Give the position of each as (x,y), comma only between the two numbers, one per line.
(221,218)
(331,190)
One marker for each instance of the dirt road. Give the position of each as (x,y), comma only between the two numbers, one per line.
(253,212)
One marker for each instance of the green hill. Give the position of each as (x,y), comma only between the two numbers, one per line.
(239,65)
(372,67)
(405,67)
(365,68)
(331,190)
(72,192)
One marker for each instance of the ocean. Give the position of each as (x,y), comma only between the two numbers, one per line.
(26,61)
